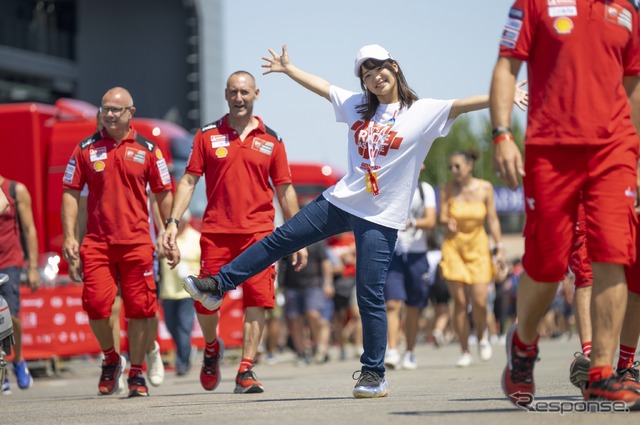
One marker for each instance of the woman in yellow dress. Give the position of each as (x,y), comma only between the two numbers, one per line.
(466,203)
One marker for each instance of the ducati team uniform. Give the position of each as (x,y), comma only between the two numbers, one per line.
(11,255)
(118,242)
(579,136)
(372,200)
(240,207)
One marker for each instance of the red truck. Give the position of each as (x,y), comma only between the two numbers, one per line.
(37,141)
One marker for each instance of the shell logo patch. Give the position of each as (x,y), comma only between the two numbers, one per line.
(222,152)
(98,166)
(563,25)
(158,154)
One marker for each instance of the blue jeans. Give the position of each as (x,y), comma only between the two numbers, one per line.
(317,221)
(179,316)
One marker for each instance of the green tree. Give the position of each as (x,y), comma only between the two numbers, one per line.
(463,137)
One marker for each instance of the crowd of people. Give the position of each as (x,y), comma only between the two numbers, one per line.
(354,265)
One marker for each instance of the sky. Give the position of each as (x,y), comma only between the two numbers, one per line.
(446,49)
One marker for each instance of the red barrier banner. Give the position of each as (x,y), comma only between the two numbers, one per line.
(55,325)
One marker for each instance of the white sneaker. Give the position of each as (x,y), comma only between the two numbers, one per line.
(439,338)
(409,361)
(465,360)
(392,359)
(123,387)
(155,367)
(208,301)
(484,350)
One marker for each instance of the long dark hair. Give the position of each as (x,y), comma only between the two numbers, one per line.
(406,95)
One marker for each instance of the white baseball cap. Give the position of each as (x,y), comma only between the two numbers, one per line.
(370,51)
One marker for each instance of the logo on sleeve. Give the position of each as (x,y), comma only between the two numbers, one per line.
(262,146)
(511,32)
(164,171)
(516,13)
(69,171)
(618,15)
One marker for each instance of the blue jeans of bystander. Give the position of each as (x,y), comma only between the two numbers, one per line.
(179,316)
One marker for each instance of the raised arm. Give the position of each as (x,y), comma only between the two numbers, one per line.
(474,103)
(281,63)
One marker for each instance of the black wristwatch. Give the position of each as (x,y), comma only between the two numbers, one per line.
(171,220)
(500,130)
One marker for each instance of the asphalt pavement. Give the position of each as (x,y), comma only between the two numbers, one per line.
(437,392)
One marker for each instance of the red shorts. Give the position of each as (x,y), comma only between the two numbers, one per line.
(218,249)
(580,264)
(104,266)
(555,177)
(579,261)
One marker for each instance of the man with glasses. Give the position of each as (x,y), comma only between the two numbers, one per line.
(117,164)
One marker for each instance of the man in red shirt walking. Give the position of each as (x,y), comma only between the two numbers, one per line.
(238,155)
(117,164)
(583,60)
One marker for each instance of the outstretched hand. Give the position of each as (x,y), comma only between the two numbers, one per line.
(277,62)
(521,97)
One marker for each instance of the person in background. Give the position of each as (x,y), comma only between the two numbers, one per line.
(346,317)
(466,204)
(179,313)
(588,149)
(390,132)
(17,220)
(240,158)
(408,277)
(304,293)
(117,164)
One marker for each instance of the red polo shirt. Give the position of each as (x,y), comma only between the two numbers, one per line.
(577,52)
(117,176)
(237,173)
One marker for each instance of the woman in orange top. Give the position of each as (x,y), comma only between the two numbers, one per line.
(465,204)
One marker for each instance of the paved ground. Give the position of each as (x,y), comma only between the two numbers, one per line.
(437,392)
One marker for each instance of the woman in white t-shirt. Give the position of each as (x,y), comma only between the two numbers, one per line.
(390,132)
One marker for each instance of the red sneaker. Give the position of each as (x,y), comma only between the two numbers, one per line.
(630,376)
(110,377)
(517,378)
(210,372)
(138,386)
(611,389)
(247,382)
